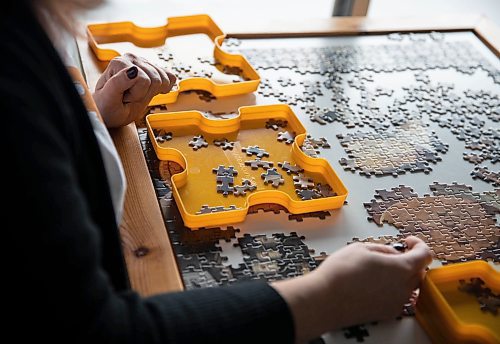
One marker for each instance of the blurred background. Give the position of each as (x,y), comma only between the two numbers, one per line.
(230,12)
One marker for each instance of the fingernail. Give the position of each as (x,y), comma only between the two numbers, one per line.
(132,72)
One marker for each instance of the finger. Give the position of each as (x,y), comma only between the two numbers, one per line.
(166,84)
(154,78)
(139,92)
(387,249)
(412,241)
(115,65)
(172,78)
(122,81)
(418,253)
(417,278)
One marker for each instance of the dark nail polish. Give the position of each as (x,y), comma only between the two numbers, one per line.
(132,72)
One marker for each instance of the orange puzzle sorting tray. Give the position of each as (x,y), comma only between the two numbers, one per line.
(451,305)
(235,163)
(99,34)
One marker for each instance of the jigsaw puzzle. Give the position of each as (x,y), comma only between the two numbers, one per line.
(467,113)
(408,148)
(386,129)
(457,223)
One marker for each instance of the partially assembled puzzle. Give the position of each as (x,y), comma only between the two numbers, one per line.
(409,122)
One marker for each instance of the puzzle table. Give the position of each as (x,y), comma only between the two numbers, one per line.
(406,112)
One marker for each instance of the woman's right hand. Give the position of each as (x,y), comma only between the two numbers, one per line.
(127,86)
(359,283)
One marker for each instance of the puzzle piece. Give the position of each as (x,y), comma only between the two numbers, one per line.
(225,144)
(275,124)
(255,164)
(290,169)
(287,137)
(272,176)
(198,142)
(316,143)
(488,176)
(475,286)
(322,215)
(308,194)
(300,181)
(246,185)
(222,170)
(225,185)
(309,150)
(359,332)
(161,135)
(325,190)
(488,301)
(255,150)
(205,209)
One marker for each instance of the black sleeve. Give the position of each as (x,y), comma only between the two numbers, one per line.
(56,286)
(57,256)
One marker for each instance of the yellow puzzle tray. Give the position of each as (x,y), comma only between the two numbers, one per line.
(460,303)
(232,164)
(176,26)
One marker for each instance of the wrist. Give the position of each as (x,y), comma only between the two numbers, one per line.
(308,301)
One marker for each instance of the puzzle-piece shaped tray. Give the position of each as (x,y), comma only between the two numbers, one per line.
(459,303)
(100,34)
(232,164)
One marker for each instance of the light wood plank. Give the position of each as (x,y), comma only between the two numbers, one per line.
(150,259)
(149,256)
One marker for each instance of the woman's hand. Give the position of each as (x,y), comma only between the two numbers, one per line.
(127,86)
(359,283)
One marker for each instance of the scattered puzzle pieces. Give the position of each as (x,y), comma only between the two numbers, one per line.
(488,301)
(488,176)
(225,179)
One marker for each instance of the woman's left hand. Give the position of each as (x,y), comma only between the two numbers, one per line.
(127,86)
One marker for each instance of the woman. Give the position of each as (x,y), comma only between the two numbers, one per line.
(66,275)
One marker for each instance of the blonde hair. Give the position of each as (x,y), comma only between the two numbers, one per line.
(63,12)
